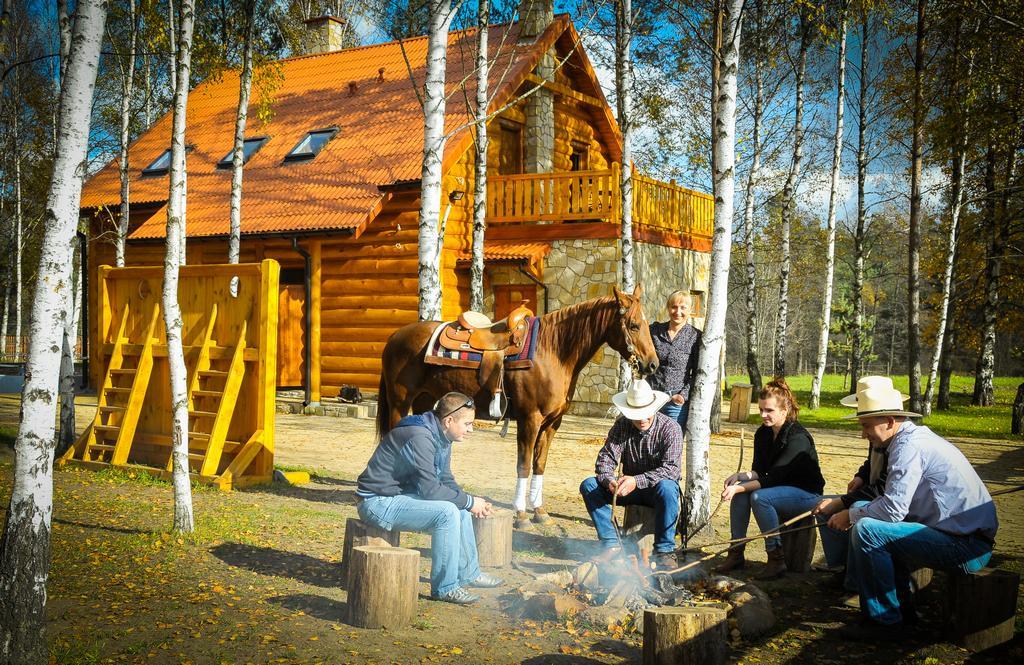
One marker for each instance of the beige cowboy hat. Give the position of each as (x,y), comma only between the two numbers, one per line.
(879,400)
(869,382)
(639,401)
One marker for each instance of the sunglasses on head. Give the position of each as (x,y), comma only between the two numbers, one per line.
(468,404)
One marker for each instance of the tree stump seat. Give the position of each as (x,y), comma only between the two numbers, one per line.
(981,606)
(494,539)
(638,526)
(383,586)
(798,546)
(359,533)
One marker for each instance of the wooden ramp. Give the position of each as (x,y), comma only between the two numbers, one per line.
(230,344)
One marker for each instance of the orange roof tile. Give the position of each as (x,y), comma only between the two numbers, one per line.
(498,250)
(379,142)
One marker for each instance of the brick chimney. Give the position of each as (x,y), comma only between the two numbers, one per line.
(324,33)
(534,18)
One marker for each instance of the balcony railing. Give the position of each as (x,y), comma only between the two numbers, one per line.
(578,196)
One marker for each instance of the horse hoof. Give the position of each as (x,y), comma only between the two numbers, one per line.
(540,516)
(521,521)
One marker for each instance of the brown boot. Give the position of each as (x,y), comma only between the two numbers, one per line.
(776,566)
(733,561)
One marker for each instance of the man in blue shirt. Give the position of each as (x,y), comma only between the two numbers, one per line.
(935,511)
(408,485)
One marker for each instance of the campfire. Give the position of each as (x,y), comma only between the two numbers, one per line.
(618,591)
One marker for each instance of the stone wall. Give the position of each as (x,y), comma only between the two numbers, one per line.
(662,270)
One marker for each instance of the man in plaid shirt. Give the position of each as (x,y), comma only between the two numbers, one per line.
(650,447)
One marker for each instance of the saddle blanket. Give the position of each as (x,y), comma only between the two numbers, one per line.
(438,355)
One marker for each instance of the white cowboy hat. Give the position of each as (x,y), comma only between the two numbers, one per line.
(880,401)
(639,401)
(869,382)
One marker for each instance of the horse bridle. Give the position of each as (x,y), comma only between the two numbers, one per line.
(632,360)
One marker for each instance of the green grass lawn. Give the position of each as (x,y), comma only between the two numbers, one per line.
(992,422)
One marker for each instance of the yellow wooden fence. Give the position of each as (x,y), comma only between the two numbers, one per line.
(230,344)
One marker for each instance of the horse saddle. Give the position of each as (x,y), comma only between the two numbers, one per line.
(476,333)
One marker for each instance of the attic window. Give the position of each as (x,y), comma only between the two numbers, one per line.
(160,165)
(311,144)
(249,148)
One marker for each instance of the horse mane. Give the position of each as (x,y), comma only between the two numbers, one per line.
(578,326)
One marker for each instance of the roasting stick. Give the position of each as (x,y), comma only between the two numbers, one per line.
(765,534)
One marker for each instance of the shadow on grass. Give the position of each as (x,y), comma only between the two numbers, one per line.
(318,607)
(559,659)
(330,495)
(104,527)
(276,563)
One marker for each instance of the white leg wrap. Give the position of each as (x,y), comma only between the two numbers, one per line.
(495,409)
(519,503)
(537,491)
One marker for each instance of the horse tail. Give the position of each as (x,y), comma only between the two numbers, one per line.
(383,408)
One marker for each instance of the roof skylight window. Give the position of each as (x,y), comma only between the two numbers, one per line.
(311,144)
(160,165)
(249,148)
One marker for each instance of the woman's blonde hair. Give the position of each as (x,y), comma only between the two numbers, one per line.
(783,394)
(679,294)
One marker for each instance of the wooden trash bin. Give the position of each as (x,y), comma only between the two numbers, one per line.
(798,546)
(739,403)
(359,533)
(383,586)
(494,539)
(686,635)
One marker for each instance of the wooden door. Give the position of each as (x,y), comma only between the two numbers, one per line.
(508,296)
(290,320)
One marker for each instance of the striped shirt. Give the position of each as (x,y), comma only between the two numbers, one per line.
(649,456)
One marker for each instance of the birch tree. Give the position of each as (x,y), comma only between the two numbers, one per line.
(857,342)
(69,339)
(176,201)
(126,64)
(624,104)
(25,545)
(434,138)
(476,287)
(698,477)
(914,240)
(788,190)
(238,149)
(830,242)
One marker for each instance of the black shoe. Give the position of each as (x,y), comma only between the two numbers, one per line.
(867,630)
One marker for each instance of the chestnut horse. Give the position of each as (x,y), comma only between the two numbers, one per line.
(538,397)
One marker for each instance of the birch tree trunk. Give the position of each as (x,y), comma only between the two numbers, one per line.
(753,370)
(624,103)
(172,43)
(18,223)
(183,519)
(6,11)
(441,15)
(127,89)
(238,150)
(830,243)
(64,32)
(914,241)
(476,287)
(25,545)
(857,343)
(698,476)
(67,361)
(788,194)
(956,196)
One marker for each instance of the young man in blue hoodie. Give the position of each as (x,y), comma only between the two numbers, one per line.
(408,485)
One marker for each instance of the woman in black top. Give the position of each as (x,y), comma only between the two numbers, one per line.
(785,479)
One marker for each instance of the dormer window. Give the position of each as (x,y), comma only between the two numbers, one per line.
(249,148)
(311,144)
(160,165)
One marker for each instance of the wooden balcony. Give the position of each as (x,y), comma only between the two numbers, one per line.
(593,196)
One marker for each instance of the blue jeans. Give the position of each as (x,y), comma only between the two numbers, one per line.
(772,506)
(663,497)
(453,557)
(882,554)
(677,412)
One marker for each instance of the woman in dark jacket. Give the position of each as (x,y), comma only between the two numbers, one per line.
(784,482)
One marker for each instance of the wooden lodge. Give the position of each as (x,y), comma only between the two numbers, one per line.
(331,192)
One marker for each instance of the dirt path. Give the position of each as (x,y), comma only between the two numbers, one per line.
(258,582)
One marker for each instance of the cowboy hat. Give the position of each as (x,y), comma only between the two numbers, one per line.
(880,401)
(869,382)
(639,401)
